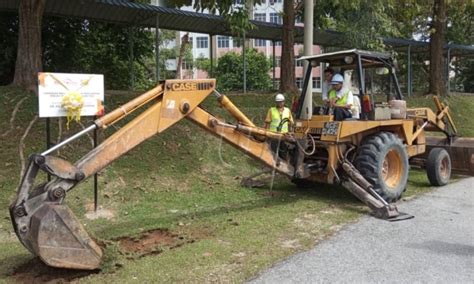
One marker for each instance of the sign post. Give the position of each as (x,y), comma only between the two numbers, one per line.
(73,96)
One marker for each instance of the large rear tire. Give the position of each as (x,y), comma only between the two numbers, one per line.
(383,161)
(438,167)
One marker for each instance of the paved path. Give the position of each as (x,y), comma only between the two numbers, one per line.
(435,247)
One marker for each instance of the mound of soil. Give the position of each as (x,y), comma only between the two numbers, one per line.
(154,241)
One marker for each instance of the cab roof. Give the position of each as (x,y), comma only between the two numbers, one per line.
(342,58)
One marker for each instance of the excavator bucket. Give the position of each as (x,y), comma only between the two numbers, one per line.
(58,238)
(461,151)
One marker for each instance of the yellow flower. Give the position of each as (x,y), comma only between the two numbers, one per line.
(73,103)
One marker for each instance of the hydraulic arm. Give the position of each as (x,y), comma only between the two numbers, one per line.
(49,229)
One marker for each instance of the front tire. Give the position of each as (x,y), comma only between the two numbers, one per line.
(383,161)
(438,167)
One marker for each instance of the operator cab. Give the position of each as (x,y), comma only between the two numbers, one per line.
(368,74)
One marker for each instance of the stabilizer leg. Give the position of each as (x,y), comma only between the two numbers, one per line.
(362,189)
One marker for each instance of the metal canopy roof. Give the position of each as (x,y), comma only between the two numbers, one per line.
(422,46)
(124,12)
(130,13)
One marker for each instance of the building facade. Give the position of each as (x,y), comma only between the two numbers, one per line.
(267,11)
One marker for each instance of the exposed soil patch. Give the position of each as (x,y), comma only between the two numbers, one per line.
(35,271)
(151,242)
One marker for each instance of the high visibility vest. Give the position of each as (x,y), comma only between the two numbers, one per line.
(277,118)
(342,101)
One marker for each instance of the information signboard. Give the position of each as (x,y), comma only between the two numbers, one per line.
(52,87)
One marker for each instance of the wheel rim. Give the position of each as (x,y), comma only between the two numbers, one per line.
(444,168)
(392,169)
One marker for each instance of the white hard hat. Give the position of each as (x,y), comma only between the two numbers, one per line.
(337,79)
(279,98)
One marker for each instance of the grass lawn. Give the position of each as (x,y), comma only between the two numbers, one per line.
(182,189)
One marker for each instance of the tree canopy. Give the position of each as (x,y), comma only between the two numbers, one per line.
(87,46)
(365,22)
(230,67)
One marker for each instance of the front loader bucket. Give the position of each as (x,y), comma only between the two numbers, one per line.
(58,238)
(461,151)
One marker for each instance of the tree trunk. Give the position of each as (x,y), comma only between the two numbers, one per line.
(182,50)
(287,69)
(28,59)
(437,40)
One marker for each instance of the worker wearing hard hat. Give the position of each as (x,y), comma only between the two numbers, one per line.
(279,117)
(340,99)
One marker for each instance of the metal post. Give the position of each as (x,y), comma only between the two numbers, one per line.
(307,77)
(48,138)
(372,88)
(360,73)
(448,69)
(274,64)
(157,47)
(308,50)
(132,74)
(96,198)
(322,67)
(409,79)
(245,65)
(211,55)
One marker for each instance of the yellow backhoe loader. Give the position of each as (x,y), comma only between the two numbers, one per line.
(369,156)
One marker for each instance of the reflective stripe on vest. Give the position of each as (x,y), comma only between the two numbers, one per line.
(277,118)
(342,101)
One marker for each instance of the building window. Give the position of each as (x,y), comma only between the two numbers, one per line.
(201,42)
(262,17)
(223,41)
(275,18)
(237,41)
(299,63)
(277,61)
(277,43)
(316,83)
(260,42)
(299,82)
(186,65)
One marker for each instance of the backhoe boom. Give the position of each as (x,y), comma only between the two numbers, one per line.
(49,229)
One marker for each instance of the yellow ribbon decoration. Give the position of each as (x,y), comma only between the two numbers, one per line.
(73,103)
